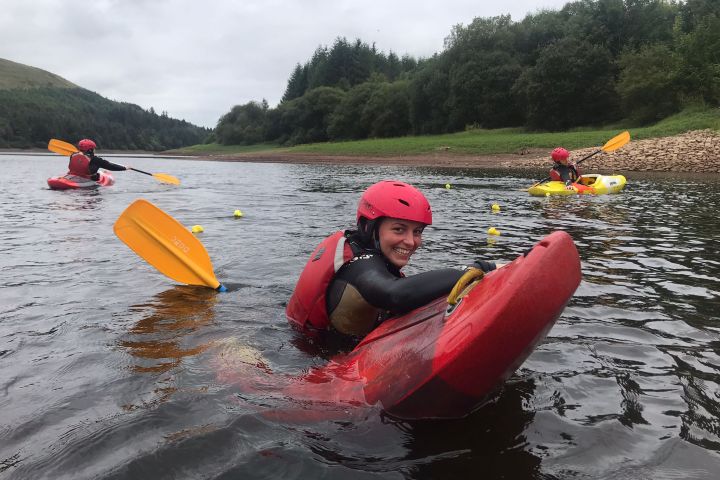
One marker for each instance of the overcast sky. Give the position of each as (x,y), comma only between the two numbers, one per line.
(195,59)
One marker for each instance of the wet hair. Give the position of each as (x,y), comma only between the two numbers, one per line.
(368,232)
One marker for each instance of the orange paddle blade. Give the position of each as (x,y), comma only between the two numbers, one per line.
(165,178)
(165,244)
(616,142)
(60,147)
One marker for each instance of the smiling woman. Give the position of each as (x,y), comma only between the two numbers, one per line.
(399,239)
(353,280)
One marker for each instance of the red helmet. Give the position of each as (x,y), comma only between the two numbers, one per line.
(560,154)
(394,199)
(86,145)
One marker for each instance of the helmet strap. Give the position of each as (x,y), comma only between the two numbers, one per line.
(376,232)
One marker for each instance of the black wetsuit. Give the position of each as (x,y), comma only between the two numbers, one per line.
(97,163)
(368,289)
(567,173)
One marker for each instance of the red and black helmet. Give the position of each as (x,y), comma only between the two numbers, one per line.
(394,199)
(85,145)
(560,154)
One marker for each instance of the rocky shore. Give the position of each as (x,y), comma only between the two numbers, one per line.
(696,151)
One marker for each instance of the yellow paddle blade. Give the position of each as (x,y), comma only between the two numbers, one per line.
(165,244)
(616,142)
(165,178)
(60,147)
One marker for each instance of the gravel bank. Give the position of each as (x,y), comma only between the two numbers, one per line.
(697,151)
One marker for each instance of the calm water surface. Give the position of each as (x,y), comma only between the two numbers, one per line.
(110,370)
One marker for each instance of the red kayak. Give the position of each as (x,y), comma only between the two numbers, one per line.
(443,361)
(69,181)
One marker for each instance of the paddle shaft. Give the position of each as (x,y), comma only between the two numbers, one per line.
(163,177)
(591,155)
(140,171)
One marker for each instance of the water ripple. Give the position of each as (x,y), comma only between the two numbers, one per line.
(109,369)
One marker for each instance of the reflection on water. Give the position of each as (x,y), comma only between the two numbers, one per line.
(156,341)
(478,439)
(107,370)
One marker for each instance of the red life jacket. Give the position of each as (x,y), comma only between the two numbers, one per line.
(555,173)
(306,307)
(79,165)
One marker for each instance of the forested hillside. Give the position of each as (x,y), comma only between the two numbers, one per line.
(36,105)
(590,63)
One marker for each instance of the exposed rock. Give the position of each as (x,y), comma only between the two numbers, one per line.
(696,151)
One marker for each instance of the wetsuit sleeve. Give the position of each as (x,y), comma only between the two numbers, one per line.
(565,174)
(576,171)
(382,289)
(554,174)
(97,163)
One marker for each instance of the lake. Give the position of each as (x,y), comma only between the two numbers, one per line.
(110,370)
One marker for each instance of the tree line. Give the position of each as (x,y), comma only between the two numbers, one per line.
(589,63)
(29,117)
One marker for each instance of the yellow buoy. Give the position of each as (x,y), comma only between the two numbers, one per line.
(447,185)
(495,207)
(197,229)
(493,231)
(238,214)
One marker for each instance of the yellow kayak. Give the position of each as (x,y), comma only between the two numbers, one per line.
(589,184)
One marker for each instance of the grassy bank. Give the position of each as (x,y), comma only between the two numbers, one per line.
(483,142)
(217,149)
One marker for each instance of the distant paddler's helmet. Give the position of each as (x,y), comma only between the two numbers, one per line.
(560,154)
(393,199)
(85,145)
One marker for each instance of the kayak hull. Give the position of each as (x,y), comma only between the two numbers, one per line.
(590,184)
(70,182)
(440,361)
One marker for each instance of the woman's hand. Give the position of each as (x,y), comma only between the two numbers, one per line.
(484,265)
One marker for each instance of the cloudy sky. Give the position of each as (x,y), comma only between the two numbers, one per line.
(195,59)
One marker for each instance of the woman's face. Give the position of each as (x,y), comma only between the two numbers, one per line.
(399,239)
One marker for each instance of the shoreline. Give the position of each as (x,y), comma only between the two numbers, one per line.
(428,160)
(696,151)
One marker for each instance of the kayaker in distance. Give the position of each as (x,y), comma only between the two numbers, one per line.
(86,164)
(563,169)
(353,280)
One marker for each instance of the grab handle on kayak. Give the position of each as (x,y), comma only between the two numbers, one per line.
(468,277)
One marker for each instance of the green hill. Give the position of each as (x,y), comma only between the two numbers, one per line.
(36,105)
(16,75)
